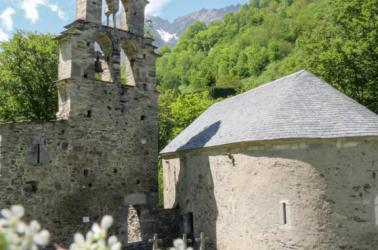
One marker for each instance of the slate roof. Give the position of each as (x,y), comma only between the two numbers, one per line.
(297,106)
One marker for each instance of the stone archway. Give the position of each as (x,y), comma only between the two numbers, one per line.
(130,73)
(104,53)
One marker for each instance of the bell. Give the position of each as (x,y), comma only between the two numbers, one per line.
(98,65)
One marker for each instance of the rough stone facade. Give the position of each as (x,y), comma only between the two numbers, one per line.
(286,194)
(100,155)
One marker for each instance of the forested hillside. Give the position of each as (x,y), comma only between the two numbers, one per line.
(268,39)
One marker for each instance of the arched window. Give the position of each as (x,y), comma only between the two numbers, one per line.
(129,68)
(103,58)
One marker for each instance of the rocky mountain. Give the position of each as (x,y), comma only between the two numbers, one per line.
(168,33)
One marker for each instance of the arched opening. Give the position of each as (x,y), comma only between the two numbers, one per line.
(134,231)
(103,58)
(129,70)
(110,11)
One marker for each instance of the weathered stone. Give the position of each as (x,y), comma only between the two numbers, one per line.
(85,164)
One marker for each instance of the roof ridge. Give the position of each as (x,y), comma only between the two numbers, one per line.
(262,86)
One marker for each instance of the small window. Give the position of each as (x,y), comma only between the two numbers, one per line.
(284,213)
(38,153)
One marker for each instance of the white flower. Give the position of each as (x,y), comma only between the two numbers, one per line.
(19,235)
(18,211)
(179,244)
(42,238)
(21,227)
(34,227)
(96,239)
(79,238)
(6,213)
(106,222)
(114,244)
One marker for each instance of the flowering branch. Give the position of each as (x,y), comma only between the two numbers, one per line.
(96,239)
(17,234)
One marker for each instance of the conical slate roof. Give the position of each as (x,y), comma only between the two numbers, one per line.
(297,106)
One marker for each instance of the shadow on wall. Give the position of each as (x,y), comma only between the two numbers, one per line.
(198,200)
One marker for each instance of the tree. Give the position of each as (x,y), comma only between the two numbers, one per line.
(28,68)
(343,49)
(166,122)
(243,45)
(187,107)
(177,111)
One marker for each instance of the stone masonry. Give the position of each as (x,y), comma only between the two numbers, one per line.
(235,193)
(291,164)
(100,155)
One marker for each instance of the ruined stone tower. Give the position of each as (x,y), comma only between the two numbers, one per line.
(99,157)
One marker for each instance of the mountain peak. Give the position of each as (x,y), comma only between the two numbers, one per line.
(168,33)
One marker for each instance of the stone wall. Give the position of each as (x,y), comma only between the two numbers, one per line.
(236,193)
(65,172)
(99,157)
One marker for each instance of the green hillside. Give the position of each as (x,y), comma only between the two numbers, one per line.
(268,39)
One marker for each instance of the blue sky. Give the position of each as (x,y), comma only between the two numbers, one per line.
(52,15)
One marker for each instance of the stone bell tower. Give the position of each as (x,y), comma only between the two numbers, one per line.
(86,41)
(108,99)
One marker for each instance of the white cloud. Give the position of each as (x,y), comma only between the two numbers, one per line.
(6,18)
(55,8)
(30,8)
(3,36)
(155,6)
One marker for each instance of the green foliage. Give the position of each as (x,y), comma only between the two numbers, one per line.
(343,49)
(28,67)
(266,40)
(188,107)
(244,45)
(176,112)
